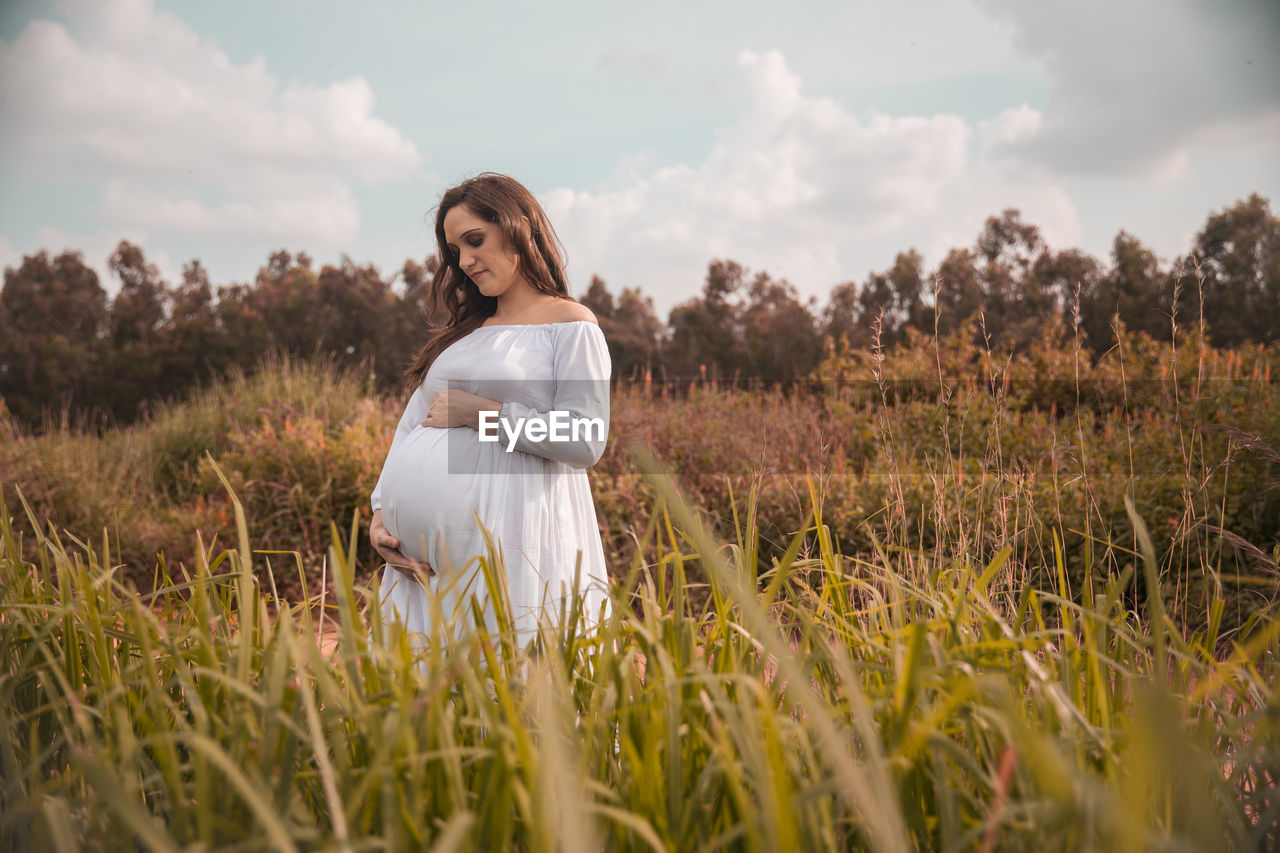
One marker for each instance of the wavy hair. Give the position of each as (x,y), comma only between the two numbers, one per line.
(505,202)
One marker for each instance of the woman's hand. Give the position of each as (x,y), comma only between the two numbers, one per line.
(455,407)
(389,547)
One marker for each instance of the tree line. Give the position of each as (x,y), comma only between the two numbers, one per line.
(65,346)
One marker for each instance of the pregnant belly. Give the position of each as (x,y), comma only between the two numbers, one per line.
(431,492)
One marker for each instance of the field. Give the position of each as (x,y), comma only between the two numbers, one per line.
(934,599)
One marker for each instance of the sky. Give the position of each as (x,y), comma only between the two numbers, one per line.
(810,140)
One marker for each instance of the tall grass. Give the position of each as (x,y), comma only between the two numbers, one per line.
(826,702)
(996,615)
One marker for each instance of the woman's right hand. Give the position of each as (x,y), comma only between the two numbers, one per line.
(389,547)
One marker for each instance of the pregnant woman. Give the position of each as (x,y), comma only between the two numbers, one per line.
(510,406)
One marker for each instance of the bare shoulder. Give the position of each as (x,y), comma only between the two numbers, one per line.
(567,311)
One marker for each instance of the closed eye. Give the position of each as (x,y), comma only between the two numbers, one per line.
(475,241)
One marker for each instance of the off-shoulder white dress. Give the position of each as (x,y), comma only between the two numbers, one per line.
(535,499)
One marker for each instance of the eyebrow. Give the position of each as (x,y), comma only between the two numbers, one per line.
(463,234)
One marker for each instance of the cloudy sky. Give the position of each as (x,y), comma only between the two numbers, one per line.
(813,140)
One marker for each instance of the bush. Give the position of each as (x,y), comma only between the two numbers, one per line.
(302,441)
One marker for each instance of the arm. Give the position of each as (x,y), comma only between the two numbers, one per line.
(581,368)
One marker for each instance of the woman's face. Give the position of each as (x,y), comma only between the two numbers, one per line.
(482,251)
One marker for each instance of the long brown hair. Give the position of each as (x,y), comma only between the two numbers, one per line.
(505,202)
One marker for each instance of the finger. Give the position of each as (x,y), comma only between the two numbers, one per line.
(413,565)
(388,550)
(399,557)
(396,558)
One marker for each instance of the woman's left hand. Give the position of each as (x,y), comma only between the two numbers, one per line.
(454,407)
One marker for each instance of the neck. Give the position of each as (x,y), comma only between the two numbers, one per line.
(519,301)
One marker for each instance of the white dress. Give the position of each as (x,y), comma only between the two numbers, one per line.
(534,499)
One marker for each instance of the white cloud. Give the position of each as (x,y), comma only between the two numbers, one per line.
(326,213)
(1170,170)
(1132,85)
(1011,125)
(132,97)
(802,188)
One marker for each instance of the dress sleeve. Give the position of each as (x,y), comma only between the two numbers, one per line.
(581,368)
(414,412)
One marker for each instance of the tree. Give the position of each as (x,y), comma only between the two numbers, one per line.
(135,362)
(598,298)
(779,332)
(999,279)
(631,328)
(1238,253)
(412,315)
(139,307)
(354,308)
(1138,287)
(959,295)
(1014,301)
(840,317)
(195,347)
(417,289)
(706,331)
(1076,280)
(53,318)
(895,299)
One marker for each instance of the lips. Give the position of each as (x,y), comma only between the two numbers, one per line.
(477,274)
